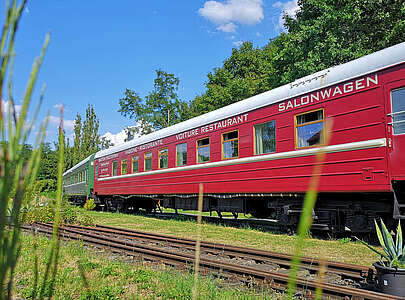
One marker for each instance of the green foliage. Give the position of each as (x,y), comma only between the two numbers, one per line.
(47,173)
(90,142)
(246,73)
(394,253)
(328,33)
(86,139)
(323,34)
(89,205)
(345,240)
(160,109)
(43,210)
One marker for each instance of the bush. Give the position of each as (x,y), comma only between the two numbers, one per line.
(43,210)
(89,205)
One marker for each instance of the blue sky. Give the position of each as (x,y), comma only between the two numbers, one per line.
(100,48)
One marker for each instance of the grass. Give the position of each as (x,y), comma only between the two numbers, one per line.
(108,276)
(206,214)
(335,250)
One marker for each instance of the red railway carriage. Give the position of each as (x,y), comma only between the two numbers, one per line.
(258,155)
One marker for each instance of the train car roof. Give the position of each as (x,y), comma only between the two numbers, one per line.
(364,65)
(78,165)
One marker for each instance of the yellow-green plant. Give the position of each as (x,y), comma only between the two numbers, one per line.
(89,205)
(394,254)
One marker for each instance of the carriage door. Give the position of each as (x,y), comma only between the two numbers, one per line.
(396,129)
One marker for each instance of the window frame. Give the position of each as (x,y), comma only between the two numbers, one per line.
(177,165)
(116,168)
(198,147)
(322,138)
(222,144)
(132,163)
(395,113)
(126,164)
(144,161)
(254,137)
(160,155)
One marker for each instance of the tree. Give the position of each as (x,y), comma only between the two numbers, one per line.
(323,34)
(326,33)
(159,109)
(48,167)
(90,137)
(86,139)
(105,143)
(246,73)
(76,153)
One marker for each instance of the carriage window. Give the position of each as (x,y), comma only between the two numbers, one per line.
(265,138)
(148,161)
(135,164)
(181,154)
(309,127)
(230,144)
(398,110)
(124,167)
(114,168)
(163,158)
(203,150)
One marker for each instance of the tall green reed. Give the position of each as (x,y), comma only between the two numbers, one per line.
(17,177)
(306,218)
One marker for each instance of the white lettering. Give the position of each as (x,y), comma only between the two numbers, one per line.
(337,91)
(325,94)
(313,97)
(348,87)
(304,100)
(369,79)
(359,85)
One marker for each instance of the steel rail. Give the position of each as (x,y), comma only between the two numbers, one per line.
(271,279)
(355,272)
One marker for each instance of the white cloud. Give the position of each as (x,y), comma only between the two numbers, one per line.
(116,139)
(6,105)
(58,106)
(68,125)
(229,27)
(223,14)
(237,43)
(119,138)
(289,8)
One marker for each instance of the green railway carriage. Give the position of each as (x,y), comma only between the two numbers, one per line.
(78,182)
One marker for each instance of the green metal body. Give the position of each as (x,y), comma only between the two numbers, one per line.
(78,182)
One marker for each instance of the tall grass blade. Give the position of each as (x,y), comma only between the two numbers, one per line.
(198,242)
(16,175)
(306,220)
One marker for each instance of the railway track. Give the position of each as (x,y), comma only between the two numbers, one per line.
(341,281)
(261,224)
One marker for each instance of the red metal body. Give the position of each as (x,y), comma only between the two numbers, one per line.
(360,111)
